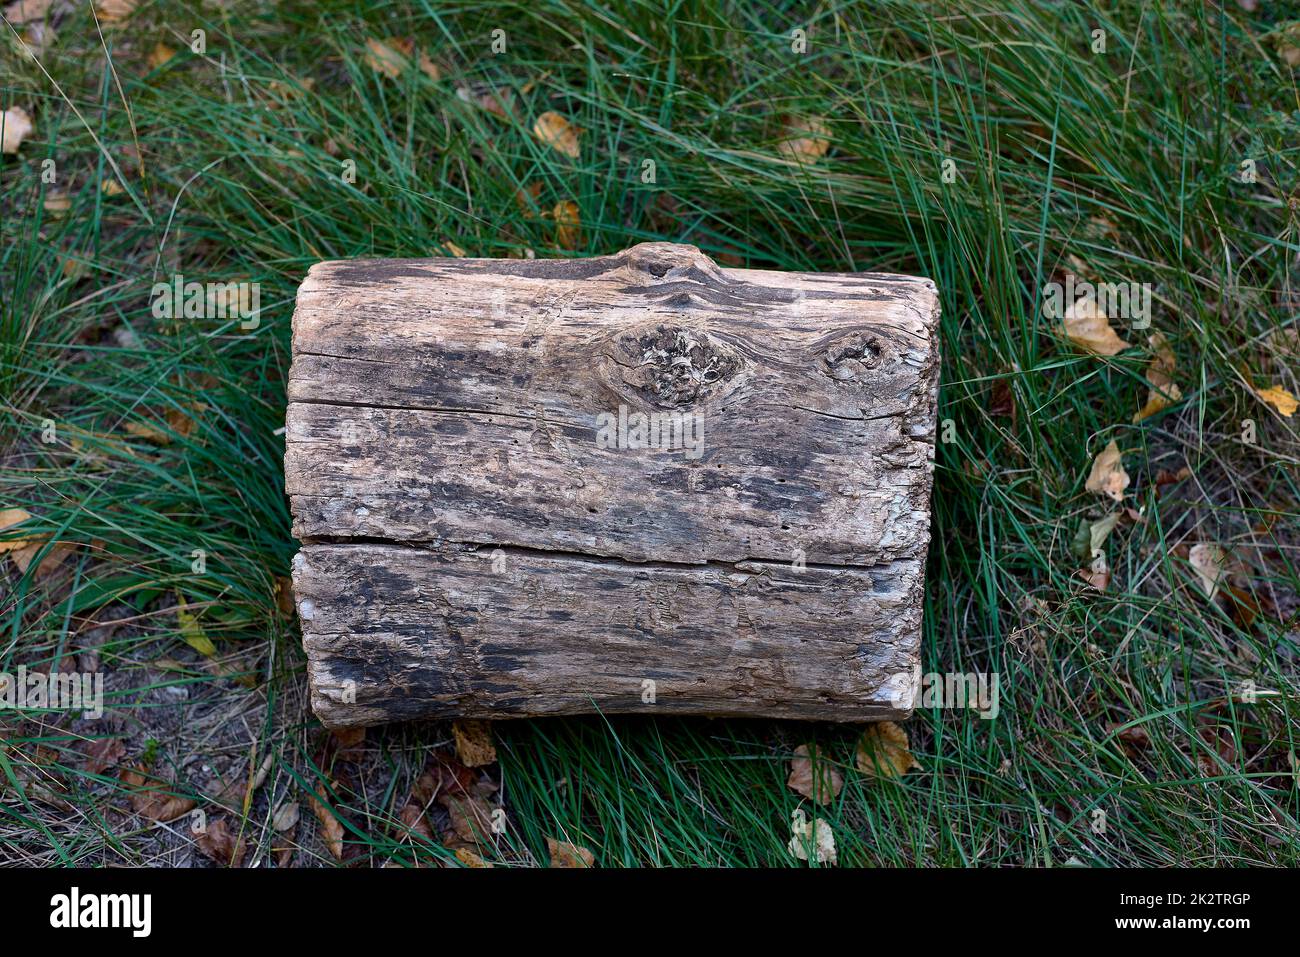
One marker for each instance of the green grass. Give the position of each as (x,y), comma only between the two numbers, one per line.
(1118,165)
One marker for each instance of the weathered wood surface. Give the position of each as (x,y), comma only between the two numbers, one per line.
(470,549)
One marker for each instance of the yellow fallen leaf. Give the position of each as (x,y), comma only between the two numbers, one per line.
(9,518)
(883,751)
(15,126)
(1279,398)
(474,744)
(805,139)
(111,187)
(558,133)
(160,54)
(389,57)
(1108,476)
(452,248)
(568,224)
(1089,328)
(813,776)
(564,854)
(1163,391)
(191,631)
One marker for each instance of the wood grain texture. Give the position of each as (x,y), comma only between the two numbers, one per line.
(471,547)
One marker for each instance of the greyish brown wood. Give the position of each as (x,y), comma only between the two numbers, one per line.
(632,483)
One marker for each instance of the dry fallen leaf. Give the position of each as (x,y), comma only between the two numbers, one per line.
(815,835)
(1163,391)
(115,11)
(34,39)
(103,754)
(52,559)
(1097,575)
(111,187)
(1209,562)
(1280,399)
(349,743)
(558,133)
(150,799)
(1099,531)
(160,54)
(1003,401)
(286,816)
(388,57)
(284,602)
(331,827)
(412,817)
(179,421)
(1108,476)
(470,816)
(823,784)
(11,518)
(453,249)
(443,775)
(568,224)
(1132,739)
(148,432)
(804,139)
(883,751)
(1165,477)
(392,56)
(526,197)
(192,632)
(470,858)
(1088,328)
(1287,41)
(498,102)
(564,854)
(474,744)
(1244,606)
(15,126)
(24,11)
(57,202)
(221,844)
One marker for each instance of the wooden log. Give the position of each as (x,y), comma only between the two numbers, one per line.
(635,483)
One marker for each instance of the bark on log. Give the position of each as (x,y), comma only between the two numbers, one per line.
(482,537)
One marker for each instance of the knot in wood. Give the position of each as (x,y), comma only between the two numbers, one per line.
(671,261)
(676,365)
(852,356)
